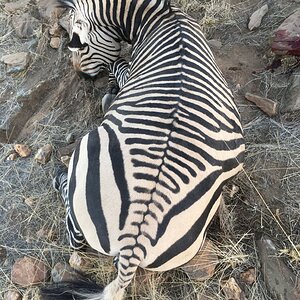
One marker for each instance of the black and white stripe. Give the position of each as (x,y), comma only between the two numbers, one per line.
(145,185)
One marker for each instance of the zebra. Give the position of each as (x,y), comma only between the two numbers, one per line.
(144,186)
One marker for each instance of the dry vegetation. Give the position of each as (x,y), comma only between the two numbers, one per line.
(268,198)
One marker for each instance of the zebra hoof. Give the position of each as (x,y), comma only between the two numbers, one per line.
(60,176)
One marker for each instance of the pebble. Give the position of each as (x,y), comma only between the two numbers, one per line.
(22,150)
(12,295)
(232,290)
(256,17)
(12,156)
(27,271)
(248,276)
(43,155)
(55,42)
(16,62)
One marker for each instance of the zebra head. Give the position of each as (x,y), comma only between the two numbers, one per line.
(94,44)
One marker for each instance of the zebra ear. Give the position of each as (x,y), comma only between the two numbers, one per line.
(65,3)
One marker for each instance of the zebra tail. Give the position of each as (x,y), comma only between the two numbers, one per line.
(75,290)
(82,290)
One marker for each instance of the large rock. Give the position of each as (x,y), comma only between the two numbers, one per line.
(16,62)
(28,271)
(43,155)
(24,25)
(286,39)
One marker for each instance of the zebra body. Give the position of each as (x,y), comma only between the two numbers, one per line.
(146,183)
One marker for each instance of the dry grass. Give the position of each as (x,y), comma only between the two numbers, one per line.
(268,197)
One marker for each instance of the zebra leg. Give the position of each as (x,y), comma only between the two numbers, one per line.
(118,75)
(111,93)
(60,184)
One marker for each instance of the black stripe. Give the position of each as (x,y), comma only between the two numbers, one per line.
(93,195)
(189,238)
(117,161)
(72,185)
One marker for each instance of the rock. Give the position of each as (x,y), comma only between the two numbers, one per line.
(30,201)
(65,160)
(22,150)
(292,99)
(43,154)
(55,42)
(12,7)
(24,25)
(78,262)
(256,17)
(215,44)
(16,62)
(248,276)
(12,156)
(232,290)
(67,150)
(63,272)
(203,265)
(280,280)
(55,30)
(27,271)
(234,190)
(268,106)
(286,39)
(12,295)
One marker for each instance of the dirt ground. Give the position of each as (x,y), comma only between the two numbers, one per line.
(47,102)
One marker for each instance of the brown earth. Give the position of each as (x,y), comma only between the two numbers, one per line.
(48,101)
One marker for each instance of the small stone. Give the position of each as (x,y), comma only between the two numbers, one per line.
(55,42)
(16,62)
(63,272)
(30,201)
(65,160)
(55,30)
(216,44)
(24,25)
(234,190)
(248,276)
(12,295)
(232,290)
(78,262)
(27,271)
(256,17)
(12,7)
(12,156)
(43,154)
(202,266)
(22,150)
